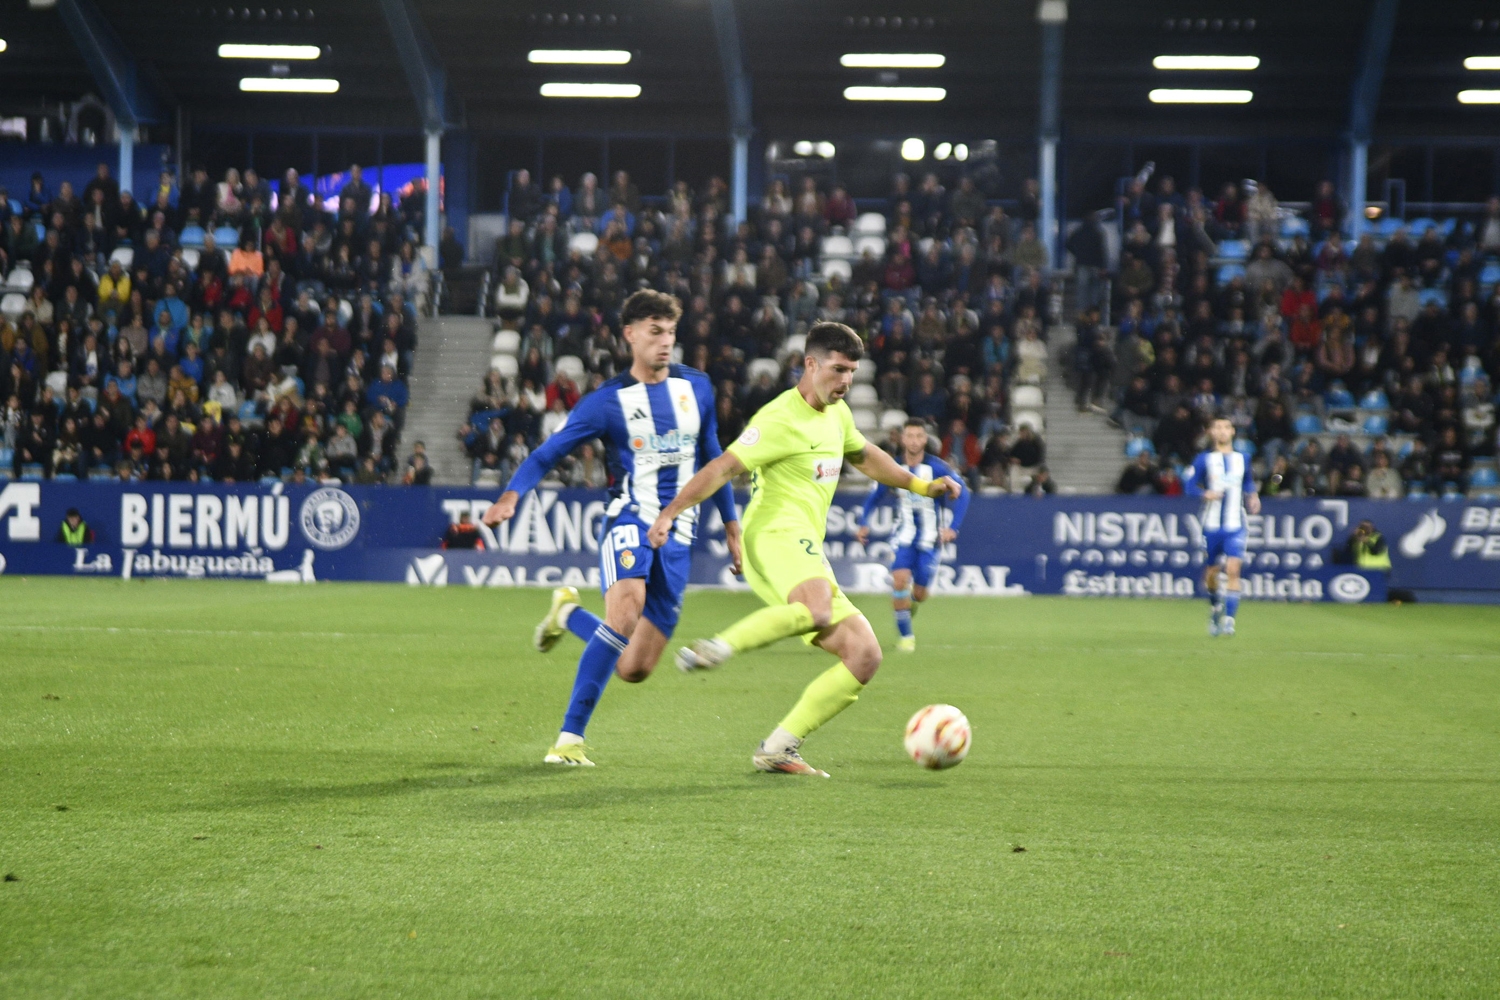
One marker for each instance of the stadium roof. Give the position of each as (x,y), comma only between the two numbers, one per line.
(1308,56)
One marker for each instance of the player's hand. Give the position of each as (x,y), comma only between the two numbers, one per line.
(947,535)
(736,549)
(501,510)
(657,536)
(945,488)
(1213,495)
(863,534)
(1252,503)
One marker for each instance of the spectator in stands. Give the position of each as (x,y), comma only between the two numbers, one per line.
(1139,476)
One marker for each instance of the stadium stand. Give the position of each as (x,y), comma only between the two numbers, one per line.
(1350,367)
(230,334)
(948,306)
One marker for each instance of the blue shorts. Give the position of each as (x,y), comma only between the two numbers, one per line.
(625,554)
(921,562)
(1229,543)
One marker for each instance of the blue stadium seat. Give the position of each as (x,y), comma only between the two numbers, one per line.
(1229,272)
(1419,226)
(1416,492)
(1438,295)
(1484,476)
(41,230)
(7,458)
(191,236)
(228,237)
(1374,400)
(1386,228)
(64,477)
(1245,447)
(1490,275)
(1234,249)
(1294,225)
(1338,398)
(1375,425)
(1136,445)
(1309,423)
(32,472)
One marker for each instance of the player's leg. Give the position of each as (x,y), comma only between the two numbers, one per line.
(902,597)
(923,563)
(785,575)
(854,643)
(624,564)
(1212,582)
(1234,555)
(665,585)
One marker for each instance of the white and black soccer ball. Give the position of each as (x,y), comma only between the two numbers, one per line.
(938,736)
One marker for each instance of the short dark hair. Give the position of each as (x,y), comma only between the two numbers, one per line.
(915,422)
(828,338)
(650,304)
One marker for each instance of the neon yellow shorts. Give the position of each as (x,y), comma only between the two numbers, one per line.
(776,564)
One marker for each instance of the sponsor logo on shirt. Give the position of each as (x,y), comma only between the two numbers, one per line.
(673,440)
(827,469)
(750,437)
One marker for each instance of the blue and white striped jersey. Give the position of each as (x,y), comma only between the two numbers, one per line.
(1224,472)
(917,517)
(656,436)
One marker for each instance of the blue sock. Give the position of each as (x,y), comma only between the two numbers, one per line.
(1213,599)
(594,667)
(583,623)
(1232,603)
(903,623)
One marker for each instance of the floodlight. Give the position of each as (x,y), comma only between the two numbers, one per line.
(288,85)
(1201,96)
(913,149)
(894,93)
(579,57)
(591,90)
(1207,62)
(233,50)
(892,60)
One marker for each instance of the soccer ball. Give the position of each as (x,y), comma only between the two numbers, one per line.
(938,736)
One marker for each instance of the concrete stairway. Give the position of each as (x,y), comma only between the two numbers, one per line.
(1084,453)
(451,361)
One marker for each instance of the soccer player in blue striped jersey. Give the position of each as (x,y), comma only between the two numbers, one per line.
(1222,477)
(657,421)
(919,534)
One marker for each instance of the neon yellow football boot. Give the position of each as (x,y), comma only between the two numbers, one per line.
(907,644)
(572,755)
(551,628)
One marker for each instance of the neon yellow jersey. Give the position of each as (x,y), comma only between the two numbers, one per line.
(795,454)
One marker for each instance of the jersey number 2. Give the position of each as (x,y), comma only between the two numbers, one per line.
(807,543)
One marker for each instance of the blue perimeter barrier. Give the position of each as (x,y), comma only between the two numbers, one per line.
(1009,546)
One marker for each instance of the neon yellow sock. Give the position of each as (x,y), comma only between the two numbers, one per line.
(834,690)
(765,626)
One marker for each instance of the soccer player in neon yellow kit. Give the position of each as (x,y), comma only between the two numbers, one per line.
(796,446)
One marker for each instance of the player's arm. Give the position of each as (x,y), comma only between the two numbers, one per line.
(1252,498)
(584,424)
(709,480)
(871,502)
(708,450)
(1193,478)
(960,505)
(882,468)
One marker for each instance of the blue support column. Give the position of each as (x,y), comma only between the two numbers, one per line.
(118,78)
(1053,16)
(737,87)
(429,87)
(1364,98)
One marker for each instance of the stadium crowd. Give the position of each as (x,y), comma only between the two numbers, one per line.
(217,331)
(1349,367)
(945,288)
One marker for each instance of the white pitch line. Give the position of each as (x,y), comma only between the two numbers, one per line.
(1348,654)
(138,630)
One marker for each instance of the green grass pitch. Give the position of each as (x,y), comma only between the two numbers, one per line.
(234,790)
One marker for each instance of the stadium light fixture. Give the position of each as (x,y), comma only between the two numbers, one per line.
(1207,62)
(894,93)
(892,60)
(288,85)
(591,90)
(3,45)
(826,150)
(802,148)
(913,149)
(942,150)
(1479,97)
(234,50)
(1482,62)
(1164,96)
(960,152)
(579,57)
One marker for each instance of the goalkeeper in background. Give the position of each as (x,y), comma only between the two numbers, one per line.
(796,446)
